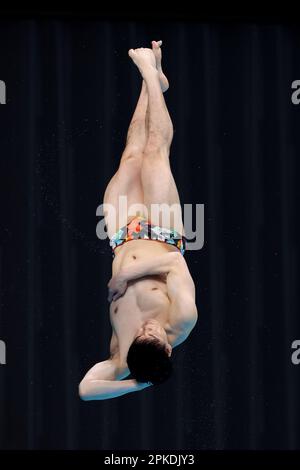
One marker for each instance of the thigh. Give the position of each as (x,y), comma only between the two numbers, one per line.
(160,192)
(123,196)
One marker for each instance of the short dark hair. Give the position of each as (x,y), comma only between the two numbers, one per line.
(148,361)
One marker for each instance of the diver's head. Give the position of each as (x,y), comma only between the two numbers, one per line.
(148,357)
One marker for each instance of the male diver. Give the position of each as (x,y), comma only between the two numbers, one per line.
(151,292)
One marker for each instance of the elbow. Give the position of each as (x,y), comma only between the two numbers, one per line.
(194,315)
(176,259)
(87,393)
(177,256)
(194,312)
(191,316)
(83,390)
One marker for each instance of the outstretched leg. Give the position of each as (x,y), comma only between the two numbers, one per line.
(137,135)
(158,184)
(127,180)
(137,131)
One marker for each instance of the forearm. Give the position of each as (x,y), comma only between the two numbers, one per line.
(157,265)
(105,389)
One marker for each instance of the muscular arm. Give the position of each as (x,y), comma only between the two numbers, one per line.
(157,265)
(103,382)
(183,309)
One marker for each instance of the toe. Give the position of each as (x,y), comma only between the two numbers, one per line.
(156,44)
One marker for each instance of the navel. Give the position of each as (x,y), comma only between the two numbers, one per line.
(154,288)
(134,257)
(115,310)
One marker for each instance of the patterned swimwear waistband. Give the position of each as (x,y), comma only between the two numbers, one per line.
(141,228)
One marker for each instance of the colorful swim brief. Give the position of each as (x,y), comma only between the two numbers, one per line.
(141,229)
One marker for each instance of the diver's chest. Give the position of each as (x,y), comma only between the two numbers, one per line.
(141,301)
(151,294)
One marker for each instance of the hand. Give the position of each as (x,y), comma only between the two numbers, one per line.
(142,385)
(116,288)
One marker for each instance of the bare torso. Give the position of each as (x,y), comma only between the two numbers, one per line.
(145,298)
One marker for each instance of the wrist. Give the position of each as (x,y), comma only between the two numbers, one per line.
(142,385)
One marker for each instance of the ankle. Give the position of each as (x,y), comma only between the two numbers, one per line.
(148,69)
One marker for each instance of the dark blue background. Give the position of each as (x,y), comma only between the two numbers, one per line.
(71,91)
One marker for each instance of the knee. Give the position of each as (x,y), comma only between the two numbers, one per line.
(132,153)
(131,159)
(153,152)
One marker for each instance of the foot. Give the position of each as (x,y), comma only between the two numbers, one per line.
(156,48)
(143,58)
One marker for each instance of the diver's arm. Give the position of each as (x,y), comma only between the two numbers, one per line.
(183,314)
(157,265)
(101,382)
(105,389)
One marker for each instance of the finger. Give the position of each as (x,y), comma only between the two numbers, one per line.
(110,296)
